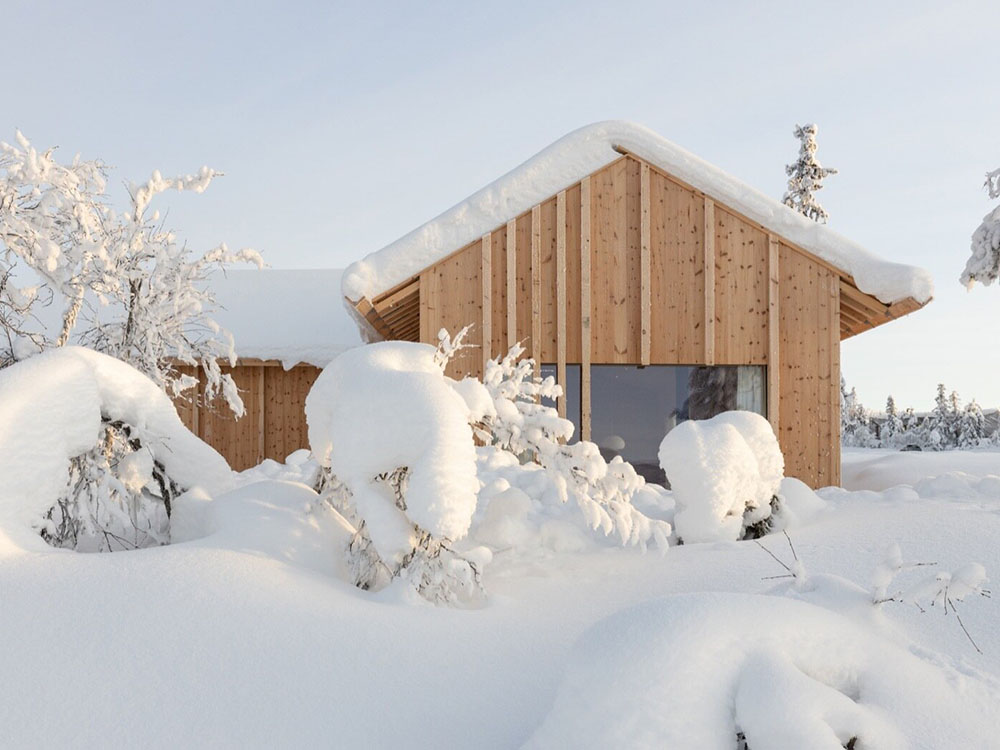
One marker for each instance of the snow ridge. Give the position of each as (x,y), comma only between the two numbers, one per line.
(588,149)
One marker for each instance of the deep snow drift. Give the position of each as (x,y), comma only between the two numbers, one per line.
(245,634)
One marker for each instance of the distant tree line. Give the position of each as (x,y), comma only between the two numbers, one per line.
(949,425)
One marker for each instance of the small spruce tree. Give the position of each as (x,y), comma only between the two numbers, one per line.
(893,429)
(971,426)
(805,176)
(984,263)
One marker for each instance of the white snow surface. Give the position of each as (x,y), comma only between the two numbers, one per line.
(50,411)
(879,469)
(588,149)
(246,634)
(802,677)
(388,405)
(295,316)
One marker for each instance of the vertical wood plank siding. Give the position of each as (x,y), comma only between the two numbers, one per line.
(632,266)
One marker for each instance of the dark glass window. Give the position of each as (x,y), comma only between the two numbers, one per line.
(571,388)
(632,408)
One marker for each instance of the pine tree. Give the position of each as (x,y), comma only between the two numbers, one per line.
(805,176)
(984,263)
(855,422)
(892,429)
(936,430)
(971,426)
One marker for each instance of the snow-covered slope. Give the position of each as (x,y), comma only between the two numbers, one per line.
(588,149)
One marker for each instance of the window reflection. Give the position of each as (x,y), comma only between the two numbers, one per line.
(632,407)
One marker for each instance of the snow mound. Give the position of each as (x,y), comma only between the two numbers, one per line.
(693,670)
(388,405)
(719,469)
(588,149)
(277,520)
(51,407)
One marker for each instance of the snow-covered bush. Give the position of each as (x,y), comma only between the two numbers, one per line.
(520,424)
(92,452)
(125,285)
(725,473)
(395,438)
(806,175)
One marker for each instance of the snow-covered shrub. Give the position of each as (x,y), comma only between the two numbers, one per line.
(395,438)
(519,423)
(806,175)
(125,285)
(92,452)
(725,473)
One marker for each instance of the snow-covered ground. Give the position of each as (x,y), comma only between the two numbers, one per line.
(249,637)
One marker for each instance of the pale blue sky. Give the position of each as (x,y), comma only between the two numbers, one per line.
(341,126)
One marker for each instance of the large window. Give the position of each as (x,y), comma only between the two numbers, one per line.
(571,388)
(632,408)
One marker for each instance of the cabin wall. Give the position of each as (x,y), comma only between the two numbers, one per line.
(616,269)
(274,424)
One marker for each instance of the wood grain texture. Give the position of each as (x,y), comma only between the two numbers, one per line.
(511,258)
(561,298)
(536,287)
(773,336)
(586,237)
(645,272)
(708,242)
(486,284)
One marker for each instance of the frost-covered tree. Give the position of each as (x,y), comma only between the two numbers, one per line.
(520,423)
(984,263)
(125,285)
(806,175)
(892,429)
(937,430)
(971,426)
(855,421)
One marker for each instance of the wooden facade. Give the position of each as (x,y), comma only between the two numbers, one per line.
(632,266)
(275,422)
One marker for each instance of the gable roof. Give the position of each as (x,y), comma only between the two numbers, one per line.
(583,152)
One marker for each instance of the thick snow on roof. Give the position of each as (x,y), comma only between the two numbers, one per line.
(588,149)
(293,316)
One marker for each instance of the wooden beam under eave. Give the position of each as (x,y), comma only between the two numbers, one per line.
(645,272)
(366,311)
(486,279)
(261,408)
(773,334)
(511,260)
(561,298)
(536,287)
(709,247)
(585,311)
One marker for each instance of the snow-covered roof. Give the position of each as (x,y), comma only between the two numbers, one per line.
(583,152)
(289,315)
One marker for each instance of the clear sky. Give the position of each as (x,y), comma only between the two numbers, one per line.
(341,126)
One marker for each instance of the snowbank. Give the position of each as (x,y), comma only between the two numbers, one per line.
(880,469)
(582,152)
(388,405)
(666,673)
(720,469)
(50,411)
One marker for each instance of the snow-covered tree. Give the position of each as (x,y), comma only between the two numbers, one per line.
(855,422)
(971,426)
(892,429)
(938,428)
(125,285)
(521,424)
(806,175)
(984,263)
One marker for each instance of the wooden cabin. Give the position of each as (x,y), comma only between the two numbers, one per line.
(654,287)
